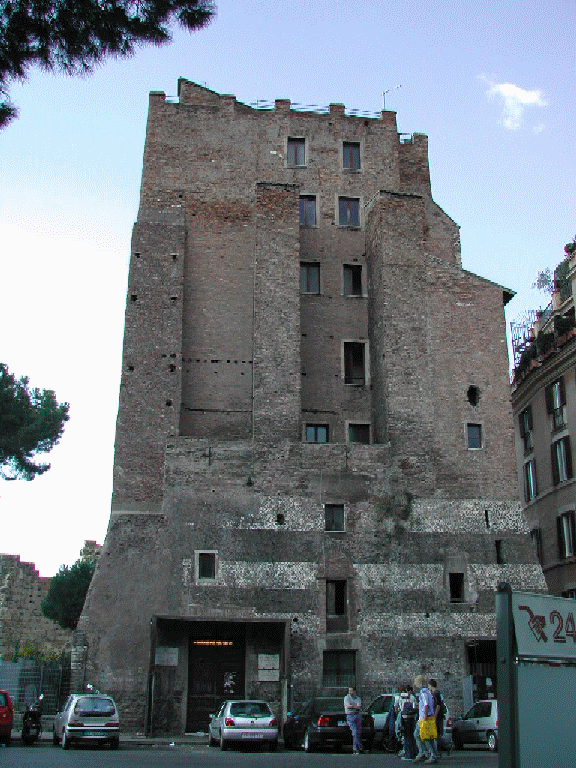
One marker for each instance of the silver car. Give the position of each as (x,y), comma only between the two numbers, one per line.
(478,726)
(244,722)
(88,718)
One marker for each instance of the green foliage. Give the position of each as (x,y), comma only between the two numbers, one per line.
(43,654)
(73,36)
(67,593)
(31,421)
(545,281)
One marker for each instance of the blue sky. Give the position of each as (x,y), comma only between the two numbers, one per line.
(491,83)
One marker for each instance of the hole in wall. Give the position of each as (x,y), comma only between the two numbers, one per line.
(473,395)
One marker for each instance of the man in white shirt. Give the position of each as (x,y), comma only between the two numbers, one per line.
(353,710)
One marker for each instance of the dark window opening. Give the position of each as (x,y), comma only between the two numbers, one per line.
(336,606)
(474,436)
(525,423)
(359,433)
(555,396)
(308,211)
(339,669)
(334,517)
(536,535)
(280,519)
(349,211)
(354,363)
(206,565)
(352,280)
(499,544)
(351,158)
(309,277)
(316,433)
(473,395)
(456,587)
(296,152)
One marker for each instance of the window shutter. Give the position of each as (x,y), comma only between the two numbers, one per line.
(554,457)
(529,412)
(562,391)
(521,422)
(560,536)
(548,396)
(568,452)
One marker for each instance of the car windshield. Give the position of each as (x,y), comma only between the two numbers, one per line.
(329,705)
(250,709)
(95,707)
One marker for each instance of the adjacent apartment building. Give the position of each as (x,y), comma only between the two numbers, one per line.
(314,477)
(544,405)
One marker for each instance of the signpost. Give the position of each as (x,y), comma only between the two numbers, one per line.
(536,664)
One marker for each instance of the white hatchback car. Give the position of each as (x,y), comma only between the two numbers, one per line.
(90,718)
(244,722)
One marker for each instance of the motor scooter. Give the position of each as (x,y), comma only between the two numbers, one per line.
(32,721)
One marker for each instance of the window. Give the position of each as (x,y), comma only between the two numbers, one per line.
(351,158)
(529,480)
(308,211)
(561,460)
(316,433)
(349,211)
(334,517)
(571,593)
(296,152)
(205,566)
(456,587)
(536,536)
(309,277)
(525,420)
(336,598)
(474,436)
(359,433)
(499,545)
(355,363)
(555,401)
(352,279)
(566,535)
(339,669)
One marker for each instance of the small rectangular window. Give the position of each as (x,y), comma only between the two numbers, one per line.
(308,210)
(336,606)
(339,669)
(352,279)
(529,480)
(316,433)
(525,421)
(351,158)
(205,566)
(355,363)
(309,277)
(359,433)
(499,545)
(349,211)
(566,535)
(561,460)
(474,436)
(456,587)
(296,152)
(334,517)
(555,396)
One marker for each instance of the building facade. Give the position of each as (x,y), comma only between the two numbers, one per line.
(314,476)
(544,406)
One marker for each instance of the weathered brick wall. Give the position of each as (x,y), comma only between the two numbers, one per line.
(22,591)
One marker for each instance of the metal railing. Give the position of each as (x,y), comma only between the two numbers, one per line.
(26,679)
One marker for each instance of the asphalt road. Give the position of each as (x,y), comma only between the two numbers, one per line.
(44,755)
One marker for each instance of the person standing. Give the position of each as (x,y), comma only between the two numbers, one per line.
(438,701)
(353,710)
(427,747)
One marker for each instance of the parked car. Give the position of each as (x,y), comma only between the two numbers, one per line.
(6,717)
(379,710)
(243,722)
(478,726)
(89,718)
(322,723)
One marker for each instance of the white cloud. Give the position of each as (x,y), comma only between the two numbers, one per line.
(515,101)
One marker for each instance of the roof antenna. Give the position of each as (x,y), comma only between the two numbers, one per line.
(384,95)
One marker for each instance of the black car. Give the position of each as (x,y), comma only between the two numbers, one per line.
(321,723)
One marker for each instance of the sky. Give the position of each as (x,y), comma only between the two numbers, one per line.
(492,83)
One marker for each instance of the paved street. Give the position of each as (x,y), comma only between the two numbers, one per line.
(44,755)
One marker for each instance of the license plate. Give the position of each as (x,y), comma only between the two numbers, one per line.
(95,734)
(341,723)
(248,735)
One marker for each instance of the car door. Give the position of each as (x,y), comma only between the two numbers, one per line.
(484,720)
(60,717)
(468,729)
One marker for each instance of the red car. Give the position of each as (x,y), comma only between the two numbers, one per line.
(6,717)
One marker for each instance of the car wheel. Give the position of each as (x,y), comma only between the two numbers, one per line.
(115,743)
(55,739)
(307,744)
(211,741)
(65,740)
(223,743)
(492,741)
(457,742)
